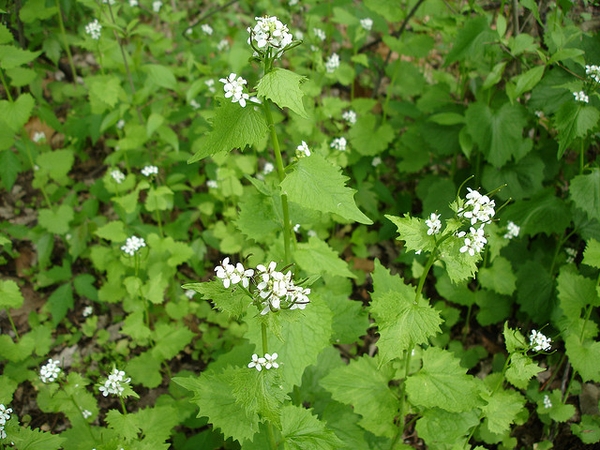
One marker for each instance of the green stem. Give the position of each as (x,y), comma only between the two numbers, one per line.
(159,221)
(400,431)
(63,32)
(271,434)
(123,406)
(6,89)
(581,158)
(265,342)
(430,262)
(287,228)
(12,324)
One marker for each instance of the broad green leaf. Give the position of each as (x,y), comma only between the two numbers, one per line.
(154,121)
(21,76)
(56,221)
(316,258)
(125,425)
(447,118)
(154,289)
(34,10)
(584,357)
(213,394)
(585,193)
(60,302)
(11,56)
(368,138)
(588,430)
(575,293)
(527,81)
(574,120)
(233,127)
(497,132)
(591,254)
(350,319)
(170,340)
(413,232)
(514,339)
(257,218)
(159,199)
(112,231)
(180,252)
(315,183)
(501,409)
(402,319)
(283,88)
(564,54)
(440,428)
(104,92)
(522,179)
(301,430)
(16,352)
(543,213)
(10,166)
(494,77)
(33,439)
(493,307)
(443,383)
(259,392)
(499,277)
(5,35)
(10,295)
(145,369)
(533,7)
(17,113)
(57,165)
(233,302)
(471,40)
(521,370)
(458,293)
(460,266)
(559,411)
(366,388)
(161,76)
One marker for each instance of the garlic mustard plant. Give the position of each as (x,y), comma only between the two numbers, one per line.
(50,371)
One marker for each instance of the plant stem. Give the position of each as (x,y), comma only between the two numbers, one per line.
(287,228)
(400,431)
(159,221)
(12,324)
(581,158)
(63,32)
(265,342)
(123,406)
(6,89)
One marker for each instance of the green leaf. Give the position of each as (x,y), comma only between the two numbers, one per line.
(34,10)
(234,127)
(471,40)
(5,34)
(125,425)
(283,88)
(439,428)
(21,76)
(16,352)
(498,133)
(104,92)
(161,76)
(575,293)
(112,231)
(559,411)
(60,302)
(56,222)
(535,289)
(591,254)
(154,121)
(301,430)
(10,295)
(369,139)
(57,165)
(502,409)
(257,218)
(403,320)
(443,383)
(159,199)
(10,166)
(527,81)
(521,370)
(499,277)
(366,388)
(233,301)
(522,179)
(584,357)
(588,430)
(585,193)
(315,183)
(145,369)
(413,232)
(543,213)
(29,439)
(170,340)
(574,120)
(447,118)
(316,258)
(11,56)
(17,113)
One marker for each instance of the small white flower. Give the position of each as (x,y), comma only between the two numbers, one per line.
(59,75)
(339,144)
(86,414)
(133,244)
(190,294)
(478,208)
(547,402)
(297,228)
(87,311)
(332,63)
(302,150)
(311,233)
(156,5)
(593,72)
(234,89)
(257,362)
(133,3)
(49,372)
(539,342)
(270,361)
(366,23)
(110,2)
(223,45)
(4,417)
(474,241)
(512,230)
(194,104)
(434,224)
(149,170)
(268,168)
(319,34)
(349,116)
(571,254)
(293,2)
(115,384)
(121,124)
(94,29)
(212,184)
(270,32)
(539,114)
(206,29)
(117,176)
(210,84)
(581,96)
(376,161)
(38,136)
(231,274)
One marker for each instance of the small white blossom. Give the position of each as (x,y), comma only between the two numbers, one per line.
(234,89)
(257,363)
(319,34)
(539,114)
(133,244)
(120,124)
(59,75)
(4,417)
(49,372)
(133,3)
(332,63)
(38,136)
(86,414)
(376,161)
(190,293)
(194,104)
(212,184)
(223,45)
(270,361)
(593,72)
(231,274)
(278,289)
(110,2)
(302,150)
(149,170)
(270,32)
(581,96)
(571,254)
(298,35)
(297,228)
(206,29)
(94,29)
(349,116)
(115,384)
(474,241)
(339,144)
(539,342)
(268,168)
(87,311)
(512,230)
(311,233)
(547,402)
(478,208)
(366,23)
(434,224)
(156,5)
(293,2)
(210,84)
(117,175)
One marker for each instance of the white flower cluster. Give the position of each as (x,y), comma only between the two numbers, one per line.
(206,29)
(268,168)
(267,362)
(332,63)
(94,29)
(547,402)
(234,89)
(581,96)
(302,150)
(117,175)
(571,254)
(133,244)
(478,208)
(276,288)
(270,32)
(115,384)
(434,224)
(210,84)
(156,5)
(593,72)
(319,34)
(539,342)
(223,45)
(349,116)
(512,230)
(366,23)
(149,170)
(38,136)
(339,144)
(49,372)
(4,417)
(231,274)
(474,240)
(212,184)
